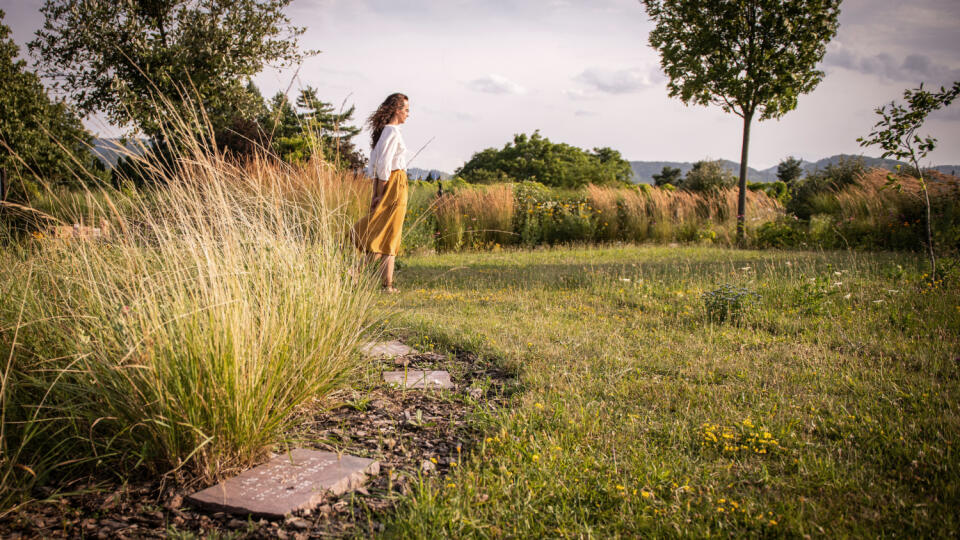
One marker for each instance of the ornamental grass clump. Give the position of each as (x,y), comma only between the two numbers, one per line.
(729,303)
(218,305)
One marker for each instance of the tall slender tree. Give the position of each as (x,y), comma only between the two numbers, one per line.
(896,133)
(750,57)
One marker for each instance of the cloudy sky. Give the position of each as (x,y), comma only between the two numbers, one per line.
(582,72)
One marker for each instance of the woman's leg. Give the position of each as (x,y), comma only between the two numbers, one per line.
(387,272)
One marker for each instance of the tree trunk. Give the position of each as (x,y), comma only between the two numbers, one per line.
(742,197)
(926,199)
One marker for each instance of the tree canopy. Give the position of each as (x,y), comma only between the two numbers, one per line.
(708,175)
(747,56)
(40,140)
(535,158)
(118,57)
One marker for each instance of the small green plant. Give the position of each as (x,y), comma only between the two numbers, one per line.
(813,295)
(728,303)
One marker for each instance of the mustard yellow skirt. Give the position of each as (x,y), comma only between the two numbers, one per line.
(379,231)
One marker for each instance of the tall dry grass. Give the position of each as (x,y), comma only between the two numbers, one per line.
(871,198)
(476,217)
(218,304)
(660,215)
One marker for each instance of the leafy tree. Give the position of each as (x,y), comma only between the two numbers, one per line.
(119,57)
(747,56)
(40,140)
(241,132)
(668,175)
(537,159)
(708,176)
(896,134)
(789,170)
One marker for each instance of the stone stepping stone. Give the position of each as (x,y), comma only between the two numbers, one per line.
(287,483)
(418,379)
(387,349)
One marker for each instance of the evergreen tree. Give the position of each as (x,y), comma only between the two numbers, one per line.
(789,170)
(668,175)
(297,132)
(334,129)
(41,141)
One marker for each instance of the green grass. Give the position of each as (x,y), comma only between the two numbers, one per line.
(831,409)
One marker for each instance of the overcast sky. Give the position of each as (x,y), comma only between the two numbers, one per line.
(582,72)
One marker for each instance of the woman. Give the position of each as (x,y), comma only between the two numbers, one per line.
(378,233)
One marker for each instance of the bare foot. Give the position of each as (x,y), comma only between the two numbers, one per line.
(391,290)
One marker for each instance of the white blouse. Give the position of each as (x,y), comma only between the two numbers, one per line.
(389,154)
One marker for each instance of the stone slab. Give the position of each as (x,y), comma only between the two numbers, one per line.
(418,379)
(388,349)
(287,483)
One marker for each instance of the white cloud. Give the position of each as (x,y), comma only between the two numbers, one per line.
(495,84)
(580,95)
(914,67)
(622,81)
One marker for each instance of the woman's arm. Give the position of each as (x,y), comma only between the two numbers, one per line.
(379,188)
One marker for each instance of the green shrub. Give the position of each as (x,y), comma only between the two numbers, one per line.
(708,176)
(812,194)
(783,233)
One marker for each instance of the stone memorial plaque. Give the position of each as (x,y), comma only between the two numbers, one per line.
(418,379)
(287,483)
(388,349)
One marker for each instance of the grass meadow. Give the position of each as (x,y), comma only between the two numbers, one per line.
(665,391)
(824,404)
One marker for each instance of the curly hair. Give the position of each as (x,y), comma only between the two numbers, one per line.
(383,115)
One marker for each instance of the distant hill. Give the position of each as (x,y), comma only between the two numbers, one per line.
(413,173)
(109,150)
(643,171)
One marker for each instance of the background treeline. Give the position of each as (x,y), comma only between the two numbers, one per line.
(844,205)
(534,158)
